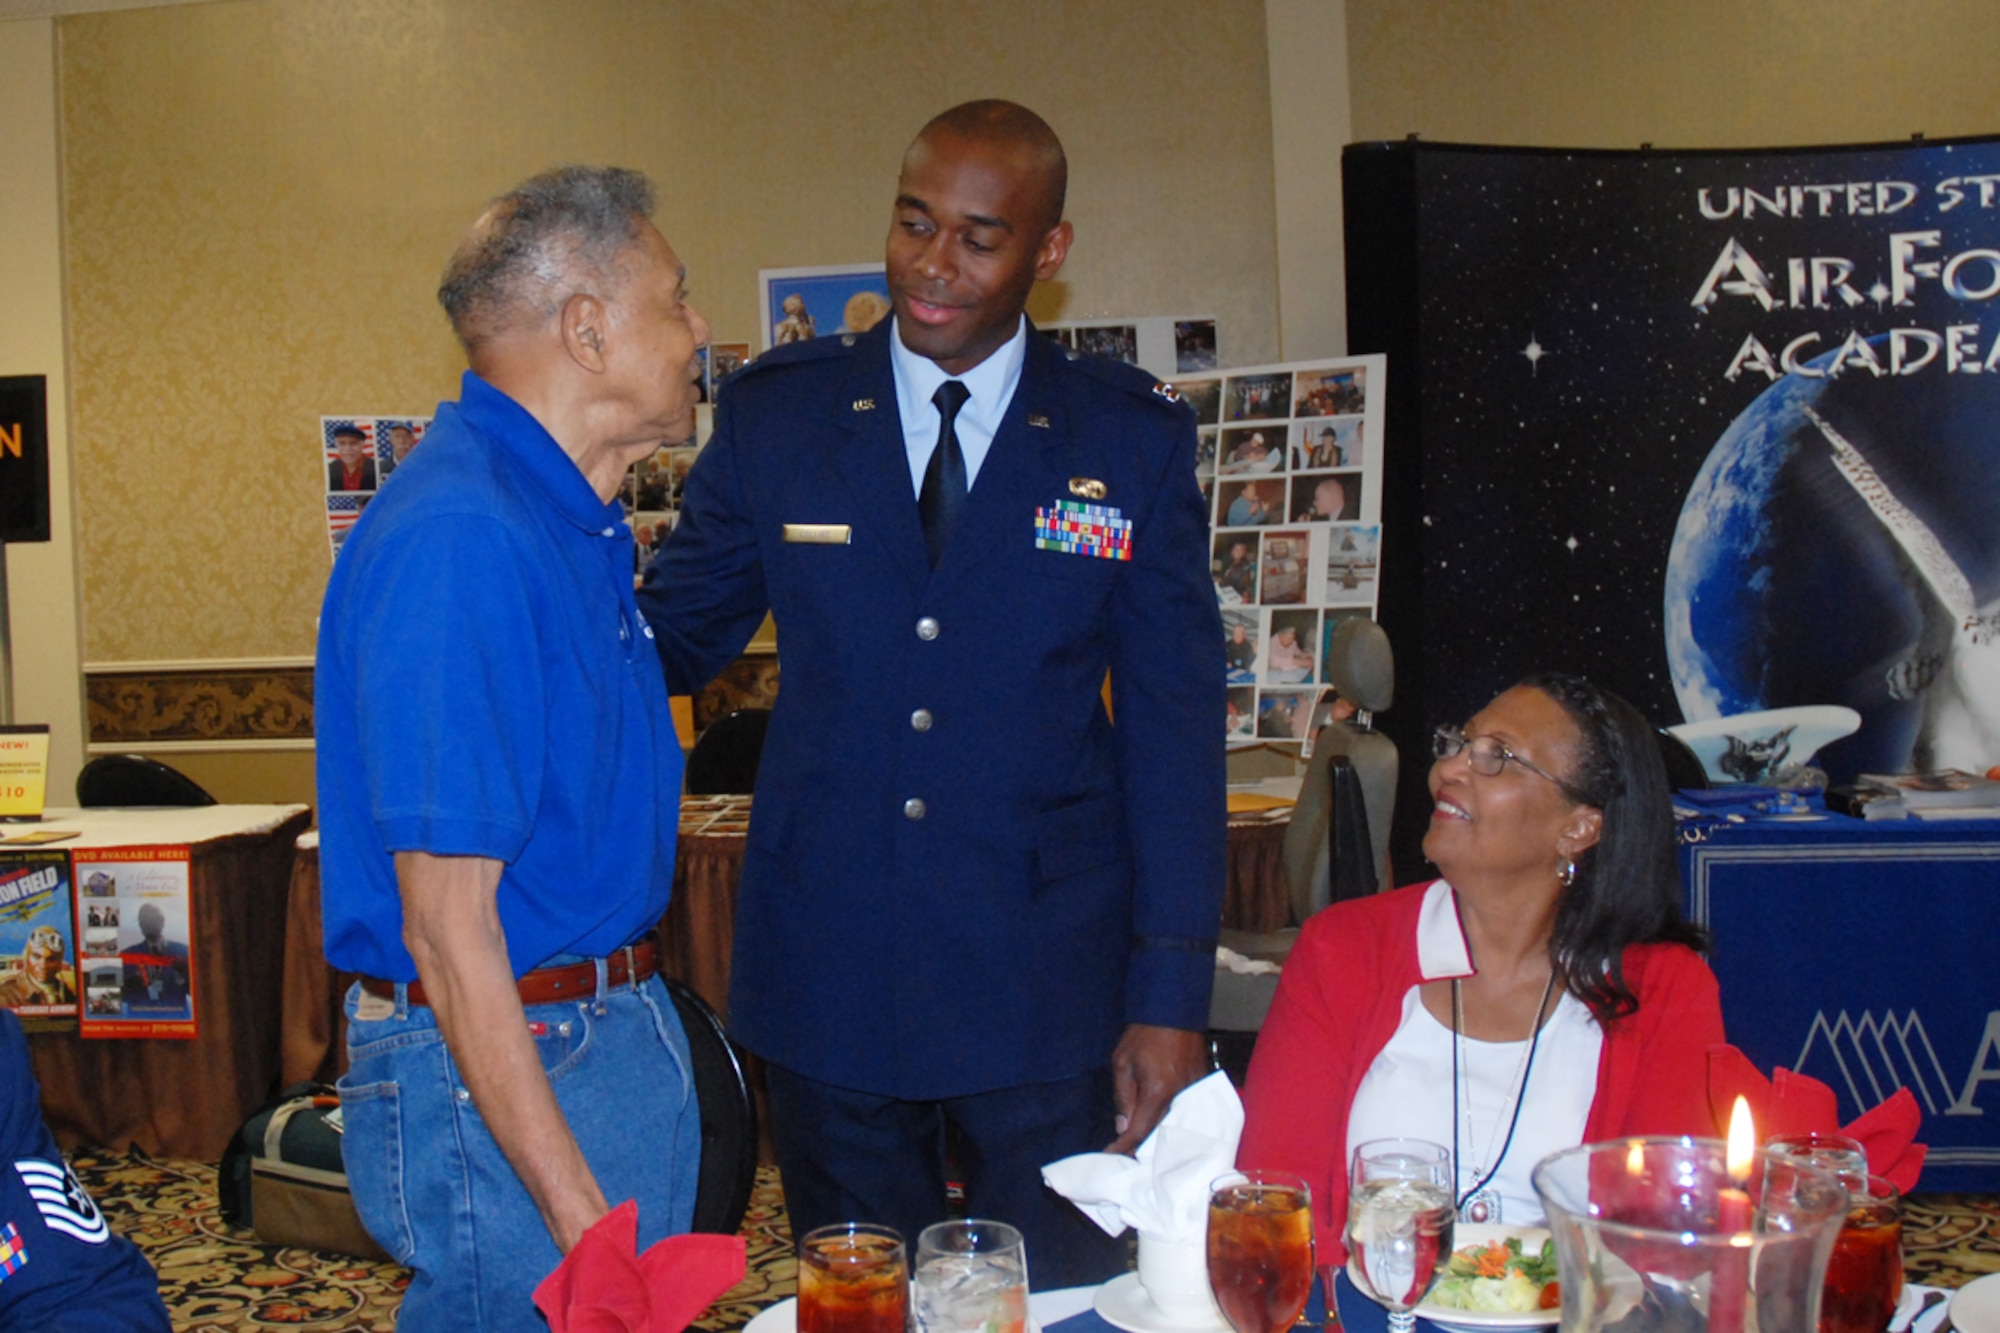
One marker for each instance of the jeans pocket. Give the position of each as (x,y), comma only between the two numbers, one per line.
(371,1149)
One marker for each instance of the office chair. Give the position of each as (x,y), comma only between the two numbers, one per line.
(724,758)
(133,779)
(728,1117)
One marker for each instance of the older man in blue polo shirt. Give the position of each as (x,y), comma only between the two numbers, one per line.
(498,773)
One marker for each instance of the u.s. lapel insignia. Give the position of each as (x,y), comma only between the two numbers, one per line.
(864,404)
(1167,391)
(1038,421)
(1090,488)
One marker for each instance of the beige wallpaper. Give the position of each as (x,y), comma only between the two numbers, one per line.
(1674,73)
(260,194)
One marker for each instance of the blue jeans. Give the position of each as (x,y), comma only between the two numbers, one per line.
(436,1192)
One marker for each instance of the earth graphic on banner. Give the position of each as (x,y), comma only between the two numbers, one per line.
(1853,559)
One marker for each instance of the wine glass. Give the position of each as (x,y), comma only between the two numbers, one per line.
(1260,1249)
(1399,1223)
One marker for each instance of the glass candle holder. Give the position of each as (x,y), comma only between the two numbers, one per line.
(1658,1232)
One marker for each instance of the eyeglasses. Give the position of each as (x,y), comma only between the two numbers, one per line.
(1486,756)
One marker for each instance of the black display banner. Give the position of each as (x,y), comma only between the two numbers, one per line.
(24,458)
(1720,430)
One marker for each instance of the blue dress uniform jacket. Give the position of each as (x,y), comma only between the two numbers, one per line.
(62,1268)
(960,876)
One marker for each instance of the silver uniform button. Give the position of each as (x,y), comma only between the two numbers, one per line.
(927,628)
(913,808)
(920,720)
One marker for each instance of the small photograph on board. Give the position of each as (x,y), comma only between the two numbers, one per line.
(1194,346)
(1239,646)
(802,303)
(1114,342)
(1242,504)
(1257,397)
(1060,335)
(650,530)
(1320,443)
(1331,622)
(1204,452)
(1204,396)
(1250,451)
(1330,393)
(342,512)
(1233,565)
(1293,651)
(724,360)
(1351,563)
(104,992)
(100,942)
(100,884)
(396,441)
(348,444)
(1242,713)
(1283,577)
(702,381)
(101,914)
(1326,497)
(1284,715)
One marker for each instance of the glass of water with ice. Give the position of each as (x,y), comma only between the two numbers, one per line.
(971,1277)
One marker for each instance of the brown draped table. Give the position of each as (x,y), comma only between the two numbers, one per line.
(698,931)
(171,1097)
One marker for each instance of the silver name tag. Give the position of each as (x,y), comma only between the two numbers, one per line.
(819,534)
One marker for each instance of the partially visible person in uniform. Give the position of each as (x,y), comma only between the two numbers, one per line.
(62,1268)
(969,902)
(497,833)
(156,968)
(44,976)
(351,469)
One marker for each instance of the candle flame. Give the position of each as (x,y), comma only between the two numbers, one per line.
(1742,1141)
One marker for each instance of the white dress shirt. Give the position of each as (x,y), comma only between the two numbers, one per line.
(991,383)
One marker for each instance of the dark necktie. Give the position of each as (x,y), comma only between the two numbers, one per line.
(944,489)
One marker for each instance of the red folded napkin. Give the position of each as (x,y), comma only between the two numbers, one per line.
(1789,1103)
(605,1286)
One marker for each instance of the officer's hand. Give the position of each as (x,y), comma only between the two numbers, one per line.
(1150,1065)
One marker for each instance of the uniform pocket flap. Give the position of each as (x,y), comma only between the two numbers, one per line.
(1081,837)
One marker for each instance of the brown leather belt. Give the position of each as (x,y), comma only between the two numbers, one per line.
(547,985)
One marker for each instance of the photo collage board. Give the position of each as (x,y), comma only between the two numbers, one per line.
(1290,459)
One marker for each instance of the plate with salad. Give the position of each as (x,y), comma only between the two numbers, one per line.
(1499,1277)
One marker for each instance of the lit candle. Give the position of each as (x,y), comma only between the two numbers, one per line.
(1729,1284)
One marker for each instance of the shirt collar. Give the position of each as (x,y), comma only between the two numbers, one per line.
(536,456)
(1441,950)
(991,383)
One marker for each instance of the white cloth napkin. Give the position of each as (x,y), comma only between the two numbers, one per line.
(1162,1191)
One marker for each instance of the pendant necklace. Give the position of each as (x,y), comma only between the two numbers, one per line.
(1481,1203)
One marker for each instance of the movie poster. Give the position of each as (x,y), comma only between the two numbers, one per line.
(1721,430)
(136,919)
(37,939)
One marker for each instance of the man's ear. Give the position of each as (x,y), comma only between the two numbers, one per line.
(582,326)
(1054,249)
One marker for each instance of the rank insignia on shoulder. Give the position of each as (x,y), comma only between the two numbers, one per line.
(1038,421)
(864,404)
(1167,391)
(1090,488)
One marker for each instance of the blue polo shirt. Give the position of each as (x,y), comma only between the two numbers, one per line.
(486,686)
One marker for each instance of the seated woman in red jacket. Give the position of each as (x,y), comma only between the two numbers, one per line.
(1546,992)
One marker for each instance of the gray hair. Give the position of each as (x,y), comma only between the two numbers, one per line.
(537,245)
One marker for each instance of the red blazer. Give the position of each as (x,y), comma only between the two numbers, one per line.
(1340,999)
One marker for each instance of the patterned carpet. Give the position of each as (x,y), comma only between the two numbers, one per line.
(217,1280)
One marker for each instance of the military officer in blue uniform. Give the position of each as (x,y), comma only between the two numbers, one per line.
(969,900)
(62,1268)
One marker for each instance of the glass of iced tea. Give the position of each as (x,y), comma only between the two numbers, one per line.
(1260,1249)
(853,1278)
(1864,1278)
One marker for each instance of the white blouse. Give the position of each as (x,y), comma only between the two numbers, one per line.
(1406,1093)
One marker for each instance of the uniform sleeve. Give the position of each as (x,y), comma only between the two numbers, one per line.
(61,1265)
(704,594)
(447,666)
(1658,1082)
(1167,700)
(1302,1079)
